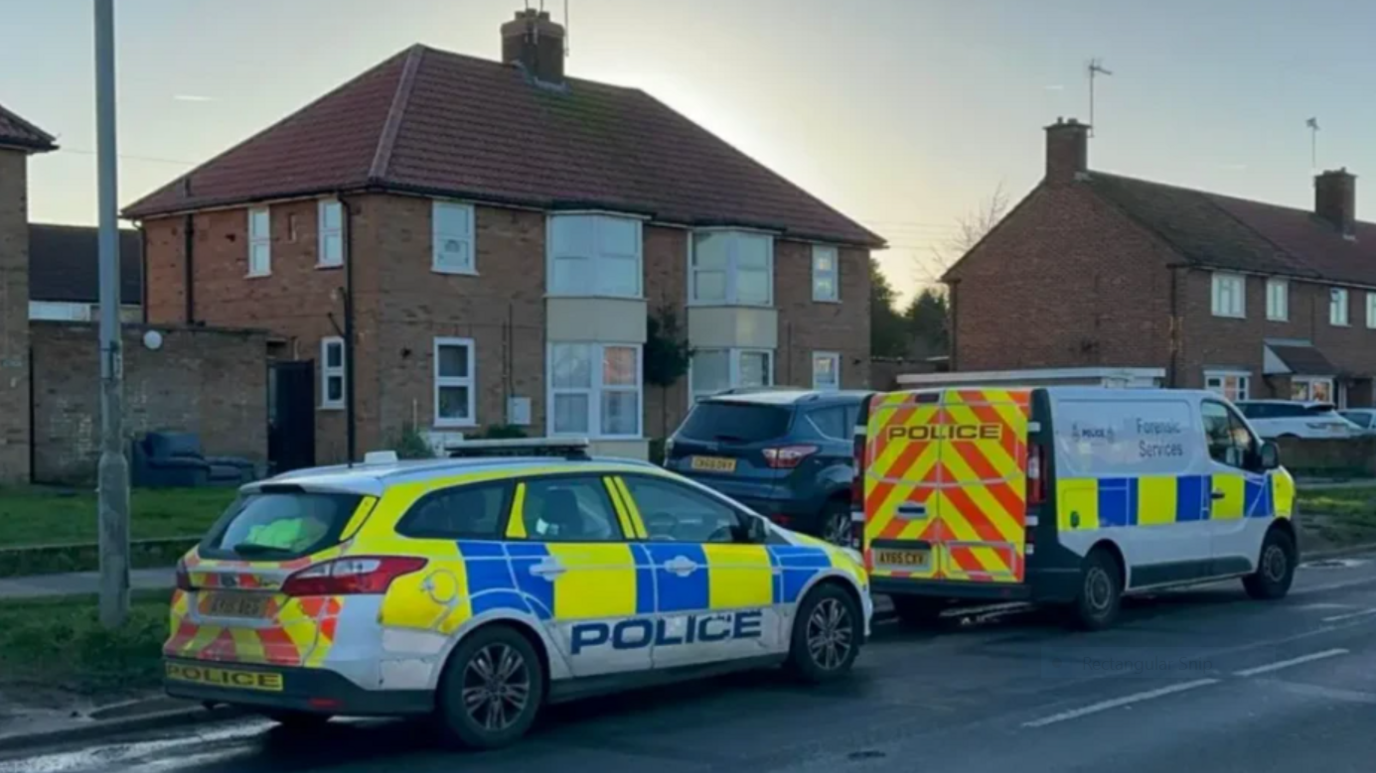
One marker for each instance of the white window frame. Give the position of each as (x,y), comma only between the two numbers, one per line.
(733,369)
(1242,384)
(1229,295)
(1278,300)
(820,251)
(595,388)
(835,358)
(1309,382)
(731,298)
(1371,310)
(470,381)
(259,243)
(1339,307)
(596,261)
(466,237)
(324,233)
(327,372)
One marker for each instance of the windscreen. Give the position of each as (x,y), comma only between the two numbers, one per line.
(277,525)
(732,422)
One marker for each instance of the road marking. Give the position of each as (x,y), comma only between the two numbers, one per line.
(1311,657)
(1350,616)
(1126,700)
(1325,605)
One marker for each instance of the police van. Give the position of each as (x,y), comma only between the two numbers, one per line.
(1070,496)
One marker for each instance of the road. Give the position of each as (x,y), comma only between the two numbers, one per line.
(1203,679)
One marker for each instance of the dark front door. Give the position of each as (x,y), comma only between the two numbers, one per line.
(291,416)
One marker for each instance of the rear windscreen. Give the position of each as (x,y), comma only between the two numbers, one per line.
(276,525)
(728,422)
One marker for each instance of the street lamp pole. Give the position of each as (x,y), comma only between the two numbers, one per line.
(113,473)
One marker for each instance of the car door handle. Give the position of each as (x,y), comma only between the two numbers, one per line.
(681,566)
(549,569)
(1216,495)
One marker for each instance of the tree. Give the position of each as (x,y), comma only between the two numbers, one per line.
(970,229)
(925,324)
(888,331)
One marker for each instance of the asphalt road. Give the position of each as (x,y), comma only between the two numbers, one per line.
(1195,680)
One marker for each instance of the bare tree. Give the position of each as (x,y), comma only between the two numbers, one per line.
(969,229)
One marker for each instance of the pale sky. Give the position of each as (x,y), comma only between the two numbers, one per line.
(901,113)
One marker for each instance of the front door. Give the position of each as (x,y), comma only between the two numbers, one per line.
(291,416)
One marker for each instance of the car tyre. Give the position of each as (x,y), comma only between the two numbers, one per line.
(1275,568)
(297,720)
(827,633)
(918,611)
(1100,597)
(491,689)
(836,526)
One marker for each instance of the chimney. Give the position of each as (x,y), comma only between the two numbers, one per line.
(536,44)
(1067,150)
(1335,199)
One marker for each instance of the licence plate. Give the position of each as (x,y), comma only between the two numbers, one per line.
(902,560)
(224,677)
(713,464)
(236,605)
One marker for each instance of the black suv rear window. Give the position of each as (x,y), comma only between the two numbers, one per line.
(276,525)
(732,422)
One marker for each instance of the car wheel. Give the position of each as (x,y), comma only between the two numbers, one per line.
(492,688)
(836,523)
(1101,592)
(1275,568)
(827,633)
(297,720)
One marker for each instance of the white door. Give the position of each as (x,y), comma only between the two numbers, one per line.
(1241,505)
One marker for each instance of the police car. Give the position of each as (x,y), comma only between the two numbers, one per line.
(478,589)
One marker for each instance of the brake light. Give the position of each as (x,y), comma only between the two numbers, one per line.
(1036,478)
(787,457)
(184,577)
(351,576)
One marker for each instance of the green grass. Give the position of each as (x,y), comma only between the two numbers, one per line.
(59,643)
(1349,502)
(41,516)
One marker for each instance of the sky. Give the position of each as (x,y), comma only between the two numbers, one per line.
(904,114)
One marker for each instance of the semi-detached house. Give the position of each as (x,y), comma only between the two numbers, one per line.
(504,236)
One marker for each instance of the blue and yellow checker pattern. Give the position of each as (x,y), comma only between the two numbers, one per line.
(1160,500)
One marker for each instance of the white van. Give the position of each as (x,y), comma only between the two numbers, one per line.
(1066,495)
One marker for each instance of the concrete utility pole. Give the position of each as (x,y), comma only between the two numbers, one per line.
(113,489)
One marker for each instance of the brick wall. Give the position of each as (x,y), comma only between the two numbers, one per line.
(211,382)
(666,287)
(807,326)
(1064,281)
(14,317)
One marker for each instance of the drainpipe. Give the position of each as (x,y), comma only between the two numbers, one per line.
(350,414)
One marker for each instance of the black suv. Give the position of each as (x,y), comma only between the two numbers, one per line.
(786,453)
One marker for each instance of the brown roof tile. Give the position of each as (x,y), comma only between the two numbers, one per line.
(430,121)
(15,132)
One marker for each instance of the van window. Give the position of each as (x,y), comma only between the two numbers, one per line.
(280,524)
(1229,440)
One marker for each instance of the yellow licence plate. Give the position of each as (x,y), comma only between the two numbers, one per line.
(224,677)
(902,560)
(236,605)
(713,464)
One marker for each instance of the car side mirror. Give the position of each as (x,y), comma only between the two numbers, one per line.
(1270,455)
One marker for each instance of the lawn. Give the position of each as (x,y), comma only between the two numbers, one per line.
(59,643)
(1339,516)
(43,516)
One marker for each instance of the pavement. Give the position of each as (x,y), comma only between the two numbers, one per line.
(1203,679)
(79,583)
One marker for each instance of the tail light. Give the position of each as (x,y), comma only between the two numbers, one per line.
(787,457)
(1036,475)
(350,576)
(184,577)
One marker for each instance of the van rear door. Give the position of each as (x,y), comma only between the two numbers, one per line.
(946,483)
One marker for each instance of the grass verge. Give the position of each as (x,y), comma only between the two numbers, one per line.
(59,643)
(1339,517)
(44,516)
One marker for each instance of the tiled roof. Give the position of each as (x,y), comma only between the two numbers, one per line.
(64,264)
(434,122)
(1224,232)
(15,132)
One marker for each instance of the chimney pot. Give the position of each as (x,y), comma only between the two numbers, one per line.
(1335,199)
(535,43)
(1067,150)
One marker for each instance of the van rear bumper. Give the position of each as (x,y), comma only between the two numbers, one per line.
(1046,586)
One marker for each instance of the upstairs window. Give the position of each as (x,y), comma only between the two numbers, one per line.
(1230,299)
(330,247)
(1371,310)
(332,372)
(259,242)
(1337,307)
(452,238)
(732,268)
(1277,300)
(594,255)
(825,274)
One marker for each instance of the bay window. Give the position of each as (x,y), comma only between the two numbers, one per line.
(717,370)
(594,255)
(595,390)
(732,268)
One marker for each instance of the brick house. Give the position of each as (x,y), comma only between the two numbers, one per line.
(1246,298)
(505,232)
(18,140)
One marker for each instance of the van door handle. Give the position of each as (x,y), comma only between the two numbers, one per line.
(548,569)
(681,566)
(1216,495)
